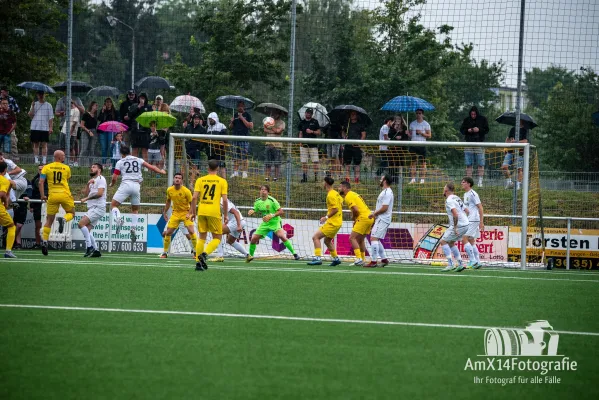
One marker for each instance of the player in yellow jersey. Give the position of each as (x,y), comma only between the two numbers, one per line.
(332,223)
(180,197)
(5,220)
(362,224)
(208,190)
(57,174)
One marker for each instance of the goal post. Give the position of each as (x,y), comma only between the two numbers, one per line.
(419,207)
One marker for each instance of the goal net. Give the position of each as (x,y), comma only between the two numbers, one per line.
(419,217)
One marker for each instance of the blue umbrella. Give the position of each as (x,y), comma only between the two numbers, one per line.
(230,101)
(596,118)
(37,86)
(407,103)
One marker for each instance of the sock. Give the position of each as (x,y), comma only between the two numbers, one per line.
(374,250)
(220,250)
(508,180)
(456,254)
(134,221)
(166,243)
(200,247)
(85,232)
(68,217)
(476,253)
(318,251)
(116,213)
(212,246)
(382,250)
(93,241)
(470,252)
(334,254)
(447,252)
(37,160)
(358,253)
(194,240)
(10,237)
(289,246)
(45,233)
(480,180)
(43,159)
(239,248)
(252,249)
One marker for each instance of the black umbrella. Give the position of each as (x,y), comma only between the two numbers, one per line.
(340,114)
(268,108)
(152,82)
(104,91)
(37,86)
(509,118)
(230,101)
(76,86)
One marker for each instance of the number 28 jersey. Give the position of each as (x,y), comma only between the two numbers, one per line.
(210,189)
(129,168)
(57,175)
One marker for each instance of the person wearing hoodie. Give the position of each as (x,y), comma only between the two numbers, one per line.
(474,128)
(124,112)
(216,149)
(194,147)
(140,136)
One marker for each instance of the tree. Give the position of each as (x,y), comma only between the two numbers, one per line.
(539,83)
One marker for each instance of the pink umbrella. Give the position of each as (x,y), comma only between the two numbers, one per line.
(113,126)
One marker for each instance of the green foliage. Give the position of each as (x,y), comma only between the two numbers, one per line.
(540,82)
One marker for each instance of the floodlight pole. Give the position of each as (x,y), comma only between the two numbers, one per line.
(291,98)
(113,21)
(67,121)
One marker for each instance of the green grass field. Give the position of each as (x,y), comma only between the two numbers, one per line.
(138,327)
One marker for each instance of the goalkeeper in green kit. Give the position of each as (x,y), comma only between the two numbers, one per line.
(268,207)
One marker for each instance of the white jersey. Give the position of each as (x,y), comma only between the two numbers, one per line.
(130,168)
(419,126)
(99,182)
(11,165)
(11,192)
(385,198)
(452,202)
(230,215)
(471,201)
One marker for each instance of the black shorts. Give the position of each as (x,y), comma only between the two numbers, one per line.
(352,154)
(140,140)
(418,151)
(36,210)
(20,213)
(216,151)
(39,137)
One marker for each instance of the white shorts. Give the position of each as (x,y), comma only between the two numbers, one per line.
(473,230)
(308,151)
(21,186)
(232,225)
(95,213)
(379,229)
(450,235)
(128,189)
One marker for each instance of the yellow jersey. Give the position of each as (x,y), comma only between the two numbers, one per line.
(57,175)
(4,187)
(334,200)
(354,199)
(210,189)
(180,199)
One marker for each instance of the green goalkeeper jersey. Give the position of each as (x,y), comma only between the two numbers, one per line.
(266,207)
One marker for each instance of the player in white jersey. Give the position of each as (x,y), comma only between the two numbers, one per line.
(474,209)
(382,215)
(129,167)
(458,226)
(95,196)
(17,175)
(233,229)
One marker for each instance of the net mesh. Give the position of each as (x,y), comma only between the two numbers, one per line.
(418,191)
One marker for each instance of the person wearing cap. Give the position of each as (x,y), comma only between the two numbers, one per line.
(42,119)
(160,105)
(419,131)
(12,103)
(240,125)
(215,150)
(309,128)
(131,98)
(140,136)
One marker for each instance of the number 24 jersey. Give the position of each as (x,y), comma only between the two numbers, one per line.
(210,189)
(129,168)
(57,175)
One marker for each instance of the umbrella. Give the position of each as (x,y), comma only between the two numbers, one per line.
(268,108)
(38,86)
(596,118)
(230,101)
(509,118)
(104,91)
(152,82)
(340,114)
(407,103)
(163,120)
(113,126)
(186,104)
(320,113)
(76,86)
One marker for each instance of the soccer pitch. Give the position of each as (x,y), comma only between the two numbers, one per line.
(136,326)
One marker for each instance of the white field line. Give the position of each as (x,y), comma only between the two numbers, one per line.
(189,265)
(275,317)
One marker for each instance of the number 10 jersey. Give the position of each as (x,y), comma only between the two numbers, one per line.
(210,189)
(129,168)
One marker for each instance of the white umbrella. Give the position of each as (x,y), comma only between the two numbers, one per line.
(320,113)
(186,104)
